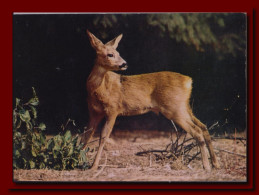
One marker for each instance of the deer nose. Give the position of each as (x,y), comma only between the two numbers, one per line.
(124,65)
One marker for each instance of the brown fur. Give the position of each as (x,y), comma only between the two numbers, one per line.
(111,95)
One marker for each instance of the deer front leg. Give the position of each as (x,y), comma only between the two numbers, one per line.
(93,124)
(105,134)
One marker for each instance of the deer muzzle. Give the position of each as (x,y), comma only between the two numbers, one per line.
(124,66)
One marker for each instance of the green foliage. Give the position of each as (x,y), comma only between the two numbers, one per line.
(31,148)
(200,30)
(63,153)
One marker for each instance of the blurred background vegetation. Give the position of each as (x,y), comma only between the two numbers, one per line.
(52,53)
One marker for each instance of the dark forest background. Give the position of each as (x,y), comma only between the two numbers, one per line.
(52,53)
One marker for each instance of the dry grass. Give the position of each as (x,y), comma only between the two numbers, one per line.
(124,165)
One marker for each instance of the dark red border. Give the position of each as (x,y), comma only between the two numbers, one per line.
(7,186)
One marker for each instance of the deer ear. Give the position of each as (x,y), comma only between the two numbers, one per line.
(114,43)
(95,42)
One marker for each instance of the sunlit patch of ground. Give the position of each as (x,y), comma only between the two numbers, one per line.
(123,164)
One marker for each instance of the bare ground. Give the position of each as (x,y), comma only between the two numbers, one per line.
(120,162)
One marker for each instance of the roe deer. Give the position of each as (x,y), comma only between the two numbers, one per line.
(111,95)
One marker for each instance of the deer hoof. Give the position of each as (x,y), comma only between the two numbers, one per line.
(207,168)
(94,168)
(216,165)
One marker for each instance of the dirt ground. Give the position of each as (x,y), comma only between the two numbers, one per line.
(120,162)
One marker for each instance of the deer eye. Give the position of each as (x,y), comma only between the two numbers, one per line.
(110,55)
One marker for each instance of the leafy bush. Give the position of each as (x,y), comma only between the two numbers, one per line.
(200,30)
(64,153)
(31,149)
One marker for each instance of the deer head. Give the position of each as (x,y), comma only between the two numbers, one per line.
(107,55)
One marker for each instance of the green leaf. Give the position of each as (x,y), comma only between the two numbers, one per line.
(14,117)
(18,125)
(24,161)
(17,102)
(28,125)
(72,165)
(46,158)
(15,165)
(55,152)
(23,145)
(34,151)
(56,148)
(80,146)
(82,156)
(67,136)
(42,139)
(75,160)
(50,144)
(25,115)
(22,111)
(70,150)
(58,140)
(221,22)
(32,164)
(73,122)
(34,111)
(17,153)
(57,166)
(17,135)
(34,137)
(34,101)
(42,126)
(34,92)
(42,165)
(74,141)
(87,150)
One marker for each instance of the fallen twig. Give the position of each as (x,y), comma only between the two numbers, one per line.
(112,166)
(241,139)
(212,126)
(149,151)
(230,137)
(174,126)
(182,148)
(230,152)
(193,157)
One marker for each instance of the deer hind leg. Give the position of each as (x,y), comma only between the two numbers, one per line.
(105,134)
(183,119)
(207,137)
(197,134)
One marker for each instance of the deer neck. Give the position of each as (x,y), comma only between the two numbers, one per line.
(96,77)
